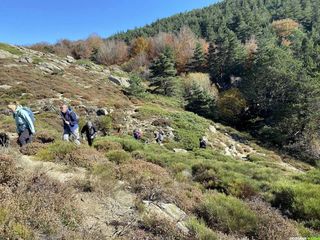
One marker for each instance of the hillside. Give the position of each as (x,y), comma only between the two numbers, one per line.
(128,189)
(262,58)
(243,17)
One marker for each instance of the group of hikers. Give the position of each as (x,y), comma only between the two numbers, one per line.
(25,126)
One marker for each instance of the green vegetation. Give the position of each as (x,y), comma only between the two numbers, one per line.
(10,49)
(228,214)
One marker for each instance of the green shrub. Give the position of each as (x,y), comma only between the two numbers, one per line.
(118,156)
(199,230)
(129,144)
(136,87)
(228,214)
(230,106)
(208,177)
(21,231)
(69,153)
(105,124)
(105,145)
(10,49)
(300,201)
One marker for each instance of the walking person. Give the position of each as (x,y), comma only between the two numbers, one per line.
(24,119)
(159,136)
(70,124)
(90,132)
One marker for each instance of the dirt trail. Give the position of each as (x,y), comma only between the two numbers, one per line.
(58,172)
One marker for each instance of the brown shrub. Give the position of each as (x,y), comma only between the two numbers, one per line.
(271,225)
(112,52)
(81,50)
(161,122)
(8,171)
(161,227)
(149,181)
(32,149)
(38,204)
(106,146)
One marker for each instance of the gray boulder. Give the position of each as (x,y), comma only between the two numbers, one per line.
(169,211)
(120,81)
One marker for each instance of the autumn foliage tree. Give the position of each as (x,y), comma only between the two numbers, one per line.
(139,45)
(285,27)
(184,45)
(112,52)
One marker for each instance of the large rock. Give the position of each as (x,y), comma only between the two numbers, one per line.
(49,67)
(179,150)
(120,81)
(70,59)
(102,112)
(5,87)
(169,211)
(26,59)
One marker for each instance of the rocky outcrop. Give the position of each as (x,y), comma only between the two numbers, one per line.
(168,211)
(120,81)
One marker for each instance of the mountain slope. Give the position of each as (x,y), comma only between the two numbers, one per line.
(128,189)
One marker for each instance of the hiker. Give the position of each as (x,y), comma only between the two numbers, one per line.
(203,142)
(70,124)
(137,134)
(159,136)
(90,132)
(24,118)
(4,140)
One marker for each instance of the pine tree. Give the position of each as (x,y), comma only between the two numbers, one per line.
(136,87)
(163,73)
(226,58)
(198,61)
(199,101)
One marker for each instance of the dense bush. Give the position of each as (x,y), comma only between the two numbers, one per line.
(8,171)
(105,145)
(20,208)
(200,231)
(148,180)
(161,227)
(271,224)
(228,214)
(300,201)
(69,153)
(118,156)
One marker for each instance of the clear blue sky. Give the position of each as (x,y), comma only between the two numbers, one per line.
(29,21)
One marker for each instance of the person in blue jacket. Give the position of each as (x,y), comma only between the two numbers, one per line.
(24,123)
(70,124)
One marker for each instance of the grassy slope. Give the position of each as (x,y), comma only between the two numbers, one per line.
(194,180)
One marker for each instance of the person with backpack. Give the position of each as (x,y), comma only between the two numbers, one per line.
(159,136)
(70,124)
(137,134)
(90,132)
(24,119)
(203,142)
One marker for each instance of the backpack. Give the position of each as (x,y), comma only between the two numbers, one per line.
(75,114)
(30,113)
